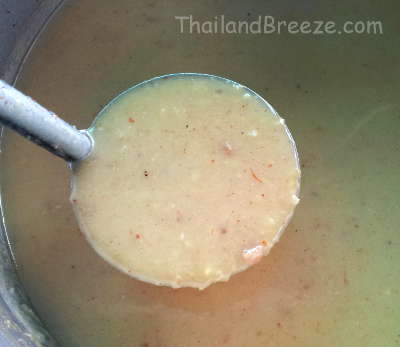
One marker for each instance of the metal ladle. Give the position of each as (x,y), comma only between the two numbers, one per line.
(22,114)
(41,126)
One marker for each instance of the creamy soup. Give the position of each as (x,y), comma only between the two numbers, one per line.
(332,280)
(192,179)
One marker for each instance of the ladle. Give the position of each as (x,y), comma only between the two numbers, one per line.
(41,126)
(206,265)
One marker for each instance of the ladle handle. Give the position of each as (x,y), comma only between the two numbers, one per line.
(22,114)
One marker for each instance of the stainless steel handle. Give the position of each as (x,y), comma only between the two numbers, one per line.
(41,126)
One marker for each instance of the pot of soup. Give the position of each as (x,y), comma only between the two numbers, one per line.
(332,277)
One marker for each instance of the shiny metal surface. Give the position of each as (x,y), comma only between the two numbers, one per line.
(43,127)
(20,23)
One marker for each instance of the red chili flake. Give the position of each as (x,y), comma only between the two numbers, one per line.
(254,176)
(179,216)
(264,242)
(131,120)
(269,165)
(263,195)
(138,236)
(224,231)
(213,161)
(226,339)
(74,201)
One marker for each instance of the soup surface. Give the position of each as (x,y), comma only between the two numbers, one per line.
(332,280)
(192,179)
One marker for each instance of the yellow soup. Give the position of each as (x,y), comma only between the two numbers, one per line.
(192,179)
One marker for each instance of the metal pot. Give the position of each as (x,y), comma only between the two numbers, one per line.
(20,24)
(354,79)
